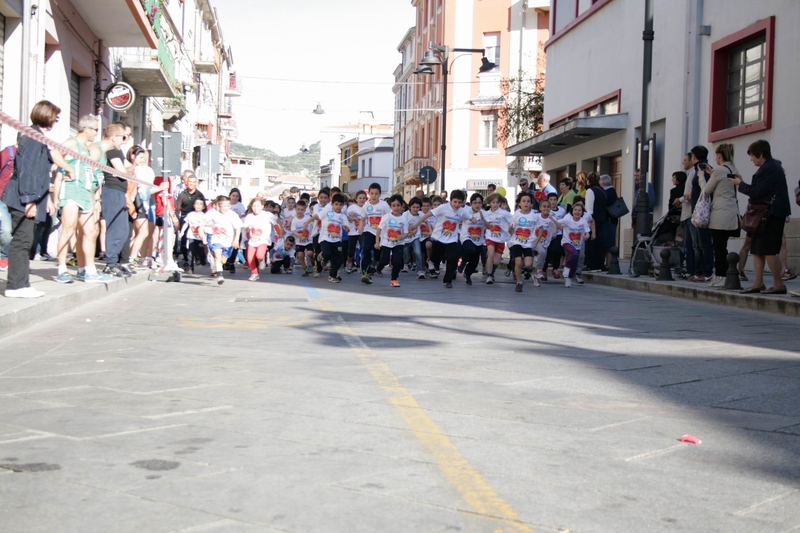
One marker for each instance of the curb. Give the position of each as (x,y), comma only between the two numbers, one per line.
(781,305)
(49,306)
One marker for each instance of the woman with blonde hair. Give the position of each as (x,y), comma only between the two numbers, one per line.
(581,184)
(724,221)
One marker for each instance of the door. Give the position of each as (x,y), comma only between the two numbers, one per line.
(615,171)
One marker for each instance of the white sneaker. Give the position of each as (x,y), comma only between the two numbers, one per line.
(718,281)
(567,283)
(565,273)
(27,292)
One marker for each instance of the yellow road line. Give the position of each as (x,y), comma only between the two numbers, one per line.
(458,471)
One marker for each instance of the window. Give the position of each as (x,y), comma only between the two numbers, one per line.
(488,130)
(254,182)
(370,167)
(491,43)
(74,101)
(741,82)
(363,168)
(347,156)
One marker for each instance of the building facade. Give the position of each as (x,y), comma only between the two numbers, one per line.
(723,71)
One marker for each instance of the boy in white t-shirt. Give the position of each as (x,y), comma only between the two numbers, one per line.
(371,214)
(522,237)
(281,255)
(473,240)
(496,220)
(354,215)
(575,230)
(544,230)
(225,227)
(391,236)
(445,233)
(302,235)
(413,243)
(193,231)
(258,226)
(333,223)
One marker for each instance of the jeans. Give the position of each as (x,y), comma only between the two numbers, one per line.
(413,246)
(5,230)
(118,229)
(367,250)
(703,251)
(41,235)
(688,246)
(19,266)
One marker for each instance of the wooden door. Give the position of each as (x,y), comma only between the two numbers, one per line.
(615,171)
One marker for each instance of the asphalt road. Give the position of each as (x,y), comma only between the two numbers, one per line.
(297,405)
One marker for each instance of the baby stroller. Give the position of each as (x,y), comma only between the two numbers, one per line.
(646,252)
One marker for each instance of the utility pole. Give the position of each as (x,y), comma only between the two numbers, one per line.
(643,202)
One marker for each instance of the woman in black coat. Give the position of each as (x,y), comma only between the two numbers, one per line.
(608,237)
(769,185)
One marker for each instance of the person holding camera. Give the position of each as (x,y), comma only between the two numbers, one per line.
(724,219)
(701,237)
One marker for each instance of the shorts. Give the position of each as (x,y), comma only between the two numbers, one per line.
(499,247)
(227,251)
(81,207)
(302,248)
(519,251)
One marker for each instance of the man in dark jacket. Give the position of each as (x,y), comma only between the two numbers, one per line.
(185,205)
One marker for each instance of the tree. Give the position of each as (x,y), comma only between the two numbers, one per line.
(522,115)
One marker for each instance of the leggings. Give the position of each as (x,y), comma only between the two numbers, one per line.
(472,254)
(719,238)
(572,258)
(396,259)
(256,254)
(448,252)
(352,241)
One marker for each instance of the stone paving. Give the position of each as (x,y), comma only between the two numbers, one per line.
(297,405)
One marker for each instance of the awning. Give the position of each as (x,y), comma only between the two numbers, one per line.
(570,134)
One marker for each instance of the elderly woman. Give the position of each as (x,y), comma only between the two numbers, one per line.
(597,206)
(724,221)
(769,185)
(608,233)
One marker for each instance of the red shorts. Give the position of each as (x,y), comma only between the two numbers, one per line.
(498,247)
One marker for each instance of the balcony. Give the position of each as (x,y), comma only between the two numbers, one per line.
(118,23)
(150,72)
(227,109)
(414,165)
(234,86)
(207,62)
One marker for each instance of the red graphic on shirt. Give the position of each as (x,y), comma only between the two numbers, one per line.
(495,230)
(334,230)
(393,234)
(425,229)
(287,223)
(474,233)
(449,227)
(303,234)
(256,232)
(196,231)
(374,221)
(522,234)
(220,231)
(575,237)
(541,232)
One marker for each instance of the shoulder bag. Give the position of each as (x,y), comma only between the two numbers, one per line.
(618,209)
(755,218)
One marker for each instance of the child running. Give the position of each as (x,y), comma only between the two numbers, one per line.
(333,222)
(413,244)
(302,237)
(497,220)
(390,237)
(192,230)
(281,255)
(543,231)
(522,237)
(371,215)
(473,240)
(225,228)
(353,237)
(258,224)
(575,230)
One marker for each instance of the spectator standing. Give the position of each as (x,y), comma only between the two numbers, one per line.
(543,180)
(608,236)
(701,237)
(685,203)
(115,208)
(724,220)
(597,208)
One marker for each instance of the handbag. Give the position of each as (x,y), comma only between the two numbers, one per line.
(702,212)
(618,209)
(756,216)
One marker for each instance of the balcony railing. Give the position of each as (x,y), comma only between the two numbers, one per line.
(234,86)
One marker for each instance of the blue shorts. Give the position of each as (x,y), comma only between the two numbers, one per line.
(226,251)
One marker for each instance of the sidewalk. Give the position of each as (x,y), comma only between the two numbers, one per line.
(58,299)
(701,292)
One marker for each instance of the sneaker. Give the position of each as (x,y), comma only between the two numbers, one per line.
(102,257)
(468,280)
(556,274)
(718,281)
(316,274)
(129,269)
(334,280)
(565,273)
(518,288)
(433,274)
(48,257)
(73,261)
(3,264)
(253,277)
(420,275)
(304,274)
(540,274)
(567,282)
(115,271)
(536,282)
(461,267)
(404,270)
(578,279)
(430,265)
(437,271)
(27,292)
(448,285)
(708,278)
(366,279)
(484,273)
(80,276)
(788,275)
(508,272)
(395,283)
(489,279)
(220,279)
(289,270)
(65,277)
(97,277)
(526,274)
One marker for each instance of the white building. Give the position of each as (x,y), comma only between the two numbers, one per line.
(332,136)
(594,89)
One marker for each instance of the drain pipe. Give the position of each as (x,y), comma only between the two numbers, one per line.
(694,134)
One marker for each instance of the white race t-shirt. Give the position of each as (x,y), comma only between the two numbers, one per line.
(498,222)
(374,214)
(260,228)
(392,227)
(195,222)
(412,219)
(545,228)
(523,233)
(302,236)
(239,209)
(320,211)
(279,251)
(573,231)
(288,215)
(447,220)
(473,231)
(222,227)
(332,225)
(354,211)
(426,228)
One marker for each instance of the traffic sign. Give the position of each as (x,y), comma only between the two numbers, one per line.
(427,175)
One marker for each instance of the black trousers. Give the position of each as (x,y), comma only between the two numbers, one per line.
(446,252)
(554,253)
(19,262)
(472,255)
(719,238)
(41,234)
(118,227)
(332,251)
(352,242)
(393,255)
(196,252)
(275,267)
(367,249)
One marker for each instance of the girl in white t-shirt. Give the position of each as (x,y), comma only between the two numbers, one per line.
(575,230)
(258,226)
(354,215)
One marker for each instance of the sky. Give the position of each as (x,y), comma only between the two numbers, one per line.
(340,54)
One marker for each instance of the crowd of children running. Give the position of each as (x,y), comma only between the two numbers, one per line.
(368,234)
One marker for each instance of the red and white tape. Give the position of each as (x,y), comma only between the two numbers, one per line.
(37,136)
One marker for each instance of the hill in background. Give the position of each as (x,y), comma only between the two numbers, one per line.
(290,164)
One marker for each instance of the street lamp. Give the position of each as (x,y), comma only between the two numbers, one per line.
(318,110)
(439,55)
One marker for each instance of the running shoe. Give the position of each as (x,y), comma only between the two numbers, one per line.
(578,279)
(97,277)
(518,288)
(536,282)
(220,279)
(489,279)
(316,274)
(253,277)
(567,282)
(394,283)
(366,279)
(404,269)
(26,292)
(526,274)
(334,280)
(65,277)
(80,276)
(468,280)
(304,274)
(420,275)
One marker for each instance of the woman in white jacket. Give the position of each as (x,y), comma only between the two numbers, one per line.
(724,221)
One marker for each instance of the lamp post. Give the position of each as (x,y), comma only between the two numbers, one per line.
(643,226)
(431,59)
